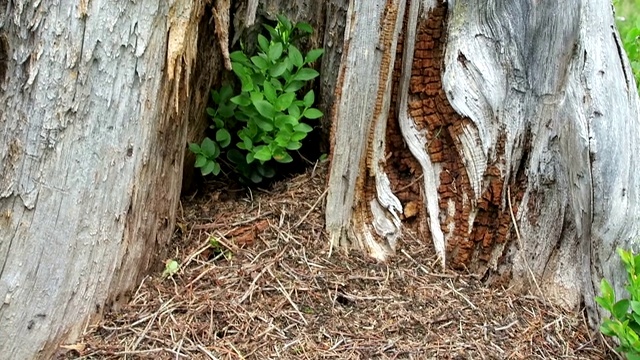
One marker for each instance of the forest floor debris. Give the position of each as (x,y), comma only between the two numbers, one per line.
(256,282)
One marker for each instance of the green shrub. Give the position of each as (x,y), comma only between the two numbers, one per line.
(628,22)
(266,120)
(623,324)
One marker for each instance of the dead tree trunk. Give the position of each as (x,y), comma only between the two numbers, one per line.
(93,134)
(97,99)
(503,132)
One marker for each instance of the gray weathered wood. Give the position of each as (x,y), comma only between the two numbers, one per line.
(357,151)
(92,141)
(553,73)
(99,100)
(546,105)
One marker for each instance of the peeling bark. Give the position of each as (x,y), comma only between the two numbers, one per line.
(93,132)
(514,110)
(100,100)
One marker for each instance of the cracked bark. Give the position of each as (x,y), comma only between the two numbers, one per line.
(495,103)
(100,99)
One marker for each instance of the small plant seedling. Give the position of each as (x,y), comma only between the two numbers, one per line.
(624,322)
(218,249)
(171,268)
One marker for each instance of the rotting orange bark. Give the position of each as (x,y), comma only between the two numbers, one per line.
(470,242)
(404,171)
(468,245)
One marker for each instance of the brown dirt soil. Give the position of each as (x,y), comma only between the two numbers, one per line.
(268,289)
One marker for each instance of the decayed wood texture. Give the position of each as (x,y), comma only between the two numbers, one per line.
(522,111)
(93,131)
(360,203)
(99,99)
(552,104)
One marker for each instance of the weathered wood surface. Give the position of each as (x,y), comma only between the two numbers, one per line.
(549,79)
(360,112)
(524,110)
(92,142)
(99,100)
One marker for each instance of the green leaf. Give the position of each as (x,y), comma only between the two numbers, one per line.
(247,142)
(223,137)
(226,110)
(226,92)
(256,96)
(266,171)
(283,120)
(298,135)
(208,168)
(277,69)
(282,156)
(284,101)
(306,74)
(217,123)
(608,296)
(269,92)
(284,21)
(240,70)
(263,124)
(303,128)
(235,156)
(633,356)
(263,43)
(627,257)
(607,328)
(260,63)
(304,27)
(247,83)
(276,84)
(255,177)
(265,108)
(262,153)
(294,145)
(216,168)
(282,139)
(313,55)
(239,57)
(242,100)
(209,148)
(309,98)
(215,95)
(275,51)
(249,158)
(195,148)
(295,56)
(244,75)
(272,32)
(294,110)
(171,267)
(620,309)
(294,86)
(201,160)
(635,306)
(312,113)
(211,112)
(634,323)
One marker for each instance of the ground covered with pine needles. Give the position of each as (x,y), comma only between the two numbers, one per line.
(256,282)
